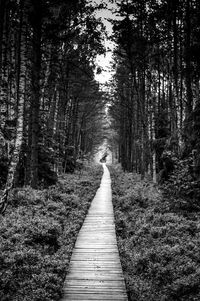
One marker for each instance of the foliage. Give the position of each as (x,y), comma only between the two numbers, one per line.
(159,248)
(4,170)
(182,191)
(46,175)
(167,163)
(38,233)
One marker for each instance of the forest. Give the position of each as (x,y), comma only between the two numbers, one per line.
(51,105)
(54,116)
(155,101)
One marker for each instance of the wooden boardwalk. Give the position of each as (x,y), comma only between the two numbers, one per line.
(95,269)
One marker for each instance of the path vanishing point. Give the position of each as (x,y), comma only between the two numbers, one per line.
(95,270)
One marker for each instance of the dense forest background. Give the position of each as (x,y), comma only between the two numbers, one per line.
(55,115)
(155,102)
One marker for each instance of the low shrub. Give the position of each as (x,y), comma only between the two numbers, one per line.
(37,235)
(159,248)
(182,191)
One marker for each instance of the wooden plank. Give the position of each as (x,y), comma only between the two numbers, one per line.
(95,270)
(93,283)
(98,275)
(94,257)
(95,290)
(98,264)
(99,297)
(104,271)
(95,250)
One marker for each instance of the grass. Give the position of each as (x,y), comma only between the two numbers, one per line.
(159,247)
(38,233)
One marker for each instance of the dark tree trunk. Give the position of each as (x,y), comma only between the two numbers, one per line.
(188,80)
(35,102)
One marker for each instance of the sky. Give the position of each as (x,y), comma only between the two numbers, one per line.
(104,61)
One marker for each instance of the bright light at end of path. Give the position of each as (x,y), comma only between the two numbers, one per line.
(104,148)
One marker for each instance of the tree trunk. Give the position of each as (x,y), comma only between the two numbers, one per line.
(2,17)
(19,127)
(188,81)
(35,103)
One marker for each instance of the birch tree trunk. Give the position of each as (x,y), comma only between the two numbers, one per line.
(19,129)
(154,151)
(2,17)
(35,99)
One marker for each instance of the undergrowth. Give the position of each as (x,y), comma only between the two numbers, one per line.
(159,245)
(38,233)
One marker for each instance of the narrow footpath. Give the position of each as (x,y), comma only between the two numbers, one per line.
(95,269)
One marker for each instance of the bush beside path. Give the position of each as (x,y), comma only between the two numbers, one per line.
(37,235)
(159,246)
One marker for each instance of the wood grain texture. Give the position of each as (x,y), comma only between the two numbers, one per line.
(95,270)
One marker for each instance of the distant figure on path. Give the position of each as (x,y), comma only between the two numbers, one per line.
(103,159)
